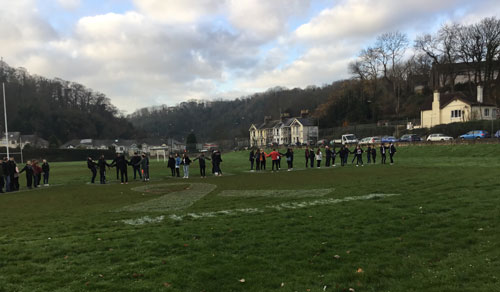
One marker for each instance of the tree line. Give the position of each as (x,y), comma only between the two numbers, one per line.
(59,110)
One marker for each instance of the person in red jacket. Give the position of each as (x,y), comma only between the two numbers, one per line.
(274,156)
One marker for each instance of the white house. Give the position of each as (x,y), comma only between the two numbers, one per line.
(457,107)
(286,131)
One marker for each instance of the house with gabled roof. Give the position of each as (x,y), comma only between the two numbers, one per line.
(457,107)
(285,131)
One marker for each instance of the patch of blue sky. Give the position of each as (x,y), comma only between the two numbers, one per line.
(63,20)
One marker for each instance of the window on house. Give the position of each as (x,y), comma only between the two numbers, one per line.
(486,111)
(456,113)
(452,114)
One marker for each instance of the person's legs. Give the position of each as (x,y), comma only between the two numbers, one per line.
(251,164)
(117,172)
(2,184)
(263,165)
(257,165)
(312,163)
(391,155)
(318,162)
(177,170)
(94,174)
(102,177)
(307,162)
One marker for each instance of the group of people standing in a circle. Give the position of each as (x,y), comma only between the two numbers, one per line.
(258,158)
(176,161)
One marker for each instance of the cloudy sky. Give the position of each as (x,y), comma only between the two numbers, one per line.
(149,52)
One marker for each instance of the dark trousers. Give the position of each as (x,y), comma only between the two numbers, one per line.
(8,183)
(368,156)
(2,183)
(312,162)
(137,170)
(145,173)
(390,156)
(383,158)
(290,164)
(203,171)
(251,164)
(46,178)
(275,163)
(279,163)
(354,158)
(307,162)
(117,173)
(102,178)
(36,180)
(29,180)
(318,163)
(327,162)
(359,159)
(257,164)
(373,157)
(124,174)
(15,183)
(94,174)
(263,165)
(177,171)
(173,170)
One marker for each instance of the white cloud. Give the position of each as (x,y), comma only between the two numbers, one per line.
(69,4)
(177,11)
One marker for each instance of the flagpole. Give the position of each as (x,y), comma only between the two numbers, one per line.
(5,113)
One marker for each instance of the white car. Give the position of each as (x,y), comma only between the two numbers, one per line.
(439,137)
(370,140)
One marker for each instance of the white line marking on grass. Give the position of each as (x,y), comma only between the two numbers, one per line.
(144,220)
(276,193)
(278,207)
(170,201)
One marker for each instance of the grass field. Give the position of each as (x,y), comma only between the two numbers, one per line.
(428,223)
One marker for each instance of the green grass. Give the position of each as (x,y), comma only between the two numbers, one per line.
(440,234)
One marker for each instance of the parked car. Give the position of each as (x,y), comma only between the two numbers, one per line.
(322,142)
(370,140)
(476,134)
(410,138)
(345,139)
(389,139)
(497,134)
(439,137)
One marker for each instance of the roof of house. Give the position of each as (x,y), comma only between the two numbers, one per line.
(268,124)
(306,122)
(35,140)
(447,98)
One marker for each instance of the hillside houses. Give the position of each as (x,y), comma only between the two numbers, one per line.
(285,131)
(16,139)
(150,146)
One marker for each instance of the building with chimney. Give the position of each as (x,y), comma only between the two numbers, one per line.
(457,107)
(285,131)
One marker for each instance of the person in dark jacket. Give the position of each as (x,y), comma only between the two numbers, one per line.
(171,164)
(346,154)
(203,164)
(37,173)
(93,168)
(289,158)
(328,154)
(311,157)
(102,164)
(383,150)
(334,155)
(144,164)
(306,154)
(343,155)
(263,156)
(392,151)
(122,165)
(29,174)
(252,159)
(46,171)
(257,160)
(374,154)
(368,154)
(218,160)
(358,154)
(11,170)
(186,161)
(134,162)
